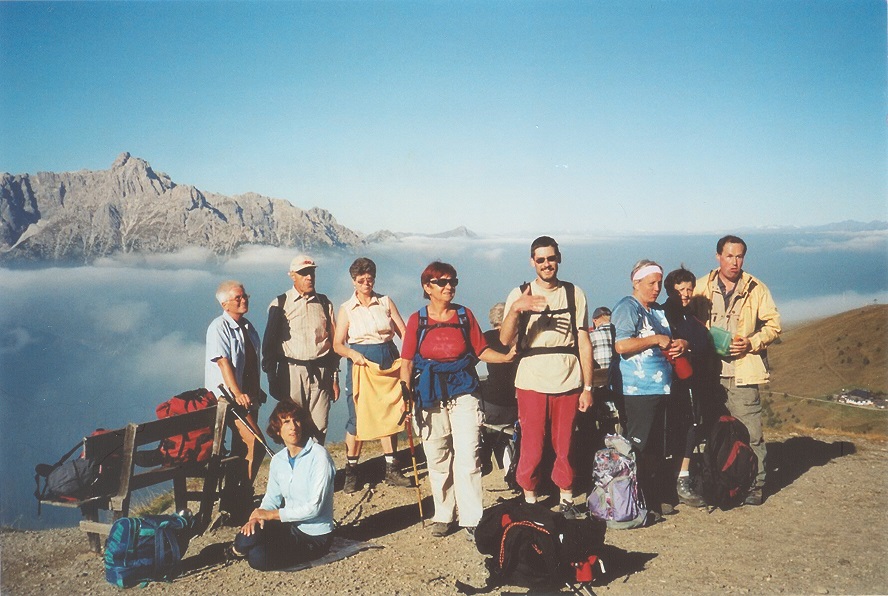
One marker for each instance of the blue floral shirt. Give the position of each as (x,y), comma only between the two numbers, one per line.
(647,372)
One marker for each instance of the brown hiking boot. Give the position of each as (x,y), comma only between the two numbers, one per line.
(351,479)
(687,494)
(393,477)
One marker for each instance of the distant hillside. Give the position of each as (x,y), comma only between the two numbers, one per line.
(818,359)
(132,208)
(846,350)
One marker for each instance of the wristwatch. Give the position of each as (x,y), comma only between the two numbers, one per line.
(587,387)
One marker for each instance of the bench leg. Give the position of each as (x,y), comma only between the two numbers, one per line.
(91,513)
(180,490)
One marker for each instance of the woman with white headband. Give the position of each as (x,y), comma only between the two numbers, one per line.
(643,375)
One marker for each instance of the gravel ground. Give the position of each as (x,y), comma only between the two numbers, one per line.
(822,530)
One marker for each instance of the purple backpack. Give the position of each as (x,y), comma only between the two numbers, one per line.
(615,497)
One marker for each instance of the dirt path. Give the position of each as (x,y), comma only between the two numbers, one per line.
(823,530)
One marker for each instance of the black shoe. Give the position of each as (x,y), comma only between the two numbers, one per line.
(440,529)
(569,511)
(755,497)
(232,555)
(687,494)
(351,479)
(393,477)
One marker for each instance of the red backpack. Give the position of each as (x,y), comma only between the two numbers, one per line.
(193,446)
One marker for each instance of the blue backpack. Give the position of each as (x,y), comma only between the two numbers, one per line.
(442,377)
(144,549)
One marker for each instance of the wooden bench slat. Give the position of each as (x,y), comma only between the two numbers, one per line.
(156,430)
(125,441)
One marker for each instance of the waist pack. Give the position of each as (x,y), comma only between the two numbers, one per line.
(144,549)
(529,545)
(615,496)
(192,446)
(730,465)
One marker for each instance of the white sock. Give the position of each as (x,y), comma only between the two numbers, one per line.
(530,498)
(567,497)
(389,458)
(684,473)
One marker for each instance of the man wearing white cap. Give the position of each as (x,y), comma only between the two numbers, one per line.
(297,348)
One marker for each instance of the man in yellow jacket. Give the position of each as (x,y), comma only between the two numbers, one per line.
(735,301)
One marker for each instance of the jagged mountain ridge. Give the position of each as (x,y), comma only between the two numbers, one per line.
(132,208)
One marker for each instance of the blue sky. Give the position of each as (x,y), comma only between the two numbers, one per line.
(502,116)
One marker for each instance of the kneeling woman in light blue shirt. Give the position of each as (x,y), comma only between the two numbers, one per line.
(294,523)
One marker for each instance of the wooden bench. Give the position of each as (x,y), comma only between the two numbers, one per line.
(126,442)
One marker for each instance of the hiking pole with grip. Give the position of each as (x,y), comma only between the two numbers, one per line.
(236,410)
(405,393)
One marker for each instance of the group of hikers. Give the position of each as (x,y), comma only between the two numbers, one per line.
(542,354)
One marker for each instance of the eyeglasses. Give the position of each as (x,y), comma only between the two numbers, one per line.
(240,298)
(453,281)
(550,259)
(368,281)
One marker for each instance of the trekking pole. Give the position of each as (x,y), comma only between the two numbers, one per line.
(236,410)
(405,393)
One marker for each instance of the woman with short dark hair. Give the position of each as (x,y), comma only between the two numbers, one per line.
(294,523)
(365,330)
(691,404)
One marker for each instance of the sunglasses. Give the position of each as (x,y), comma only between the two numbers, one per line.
(541,260)
(453,281)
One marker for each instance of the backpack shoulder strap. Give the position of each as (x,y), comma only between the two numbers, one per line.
(523,318)
(422,327)
(327,306)
(570,293)
(465,325)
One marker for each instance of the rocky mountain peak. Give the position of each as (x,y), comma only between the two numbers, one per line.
(131,208)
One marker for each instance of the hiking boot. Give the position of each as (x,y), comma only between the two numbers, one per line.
(351,479)
(440,529)
(754,497)
(569,511)
(393,477)
(667,509)
(687,494)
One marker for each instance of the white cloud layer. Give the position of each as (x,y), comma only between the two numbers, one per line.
(824,306)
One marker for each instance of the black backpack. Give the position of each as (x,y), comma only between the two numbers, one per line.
(529,545)
(729,464)
(525,317)
(77,479)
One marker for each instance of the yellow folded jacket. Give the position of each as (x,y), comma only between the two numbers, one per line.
(377,394)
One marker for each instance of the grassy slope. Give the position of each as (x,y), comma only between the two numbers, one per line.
(817,359)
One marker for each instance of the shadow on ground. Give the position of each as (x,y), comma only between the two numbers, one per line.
(790,459)
(383,523)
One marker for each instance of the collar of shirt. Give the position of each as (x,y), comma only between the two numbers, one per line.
(313,297)
(302,452)
(354,303)
(234,324)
